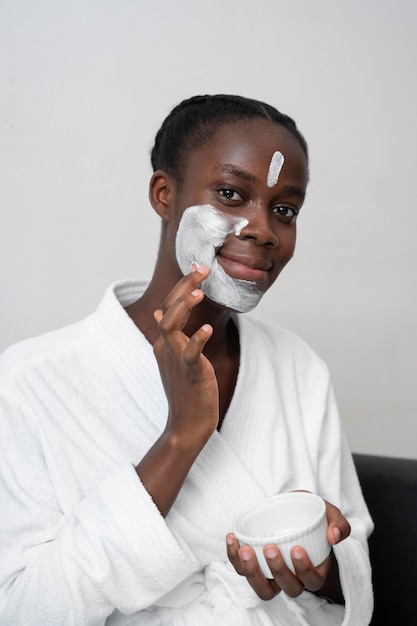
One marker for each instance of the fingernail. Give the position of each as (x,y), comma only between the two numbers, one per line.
(245,555)
(336,534)
(195,267)
(195,292)
(297,554)
(229,540)
(271,553)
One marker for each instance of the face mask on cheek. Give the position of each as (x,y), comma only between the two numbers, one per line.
(201,231)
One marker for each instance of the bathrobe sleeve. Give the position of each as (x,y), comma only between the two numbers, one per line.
(112,551)
(339,484)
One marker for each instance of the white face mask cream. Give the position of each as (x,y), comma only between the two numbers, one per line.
(275,168)
(201,231)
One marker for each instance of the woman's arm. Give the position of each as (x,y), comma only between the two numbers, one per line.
(192,392)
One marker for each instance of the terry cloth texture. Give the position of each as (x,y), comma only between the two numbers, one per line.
(81,540)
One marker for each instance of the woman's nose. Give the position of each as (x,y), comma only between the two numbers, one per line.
(260,228)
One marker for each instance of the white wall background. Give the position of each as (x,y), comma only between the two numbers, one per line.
(85,84)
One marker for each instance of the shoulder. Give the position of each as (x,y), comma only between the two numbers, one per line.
(32,352)
(75,347)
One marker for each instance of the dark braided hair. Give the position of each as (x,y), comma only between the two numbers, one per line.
(196,120)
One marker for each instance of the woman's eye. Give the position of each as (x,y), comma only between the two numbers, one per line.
(287,212)
(230,194)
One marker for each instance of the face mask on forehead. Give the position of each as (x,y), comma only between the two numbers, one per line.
(202,230)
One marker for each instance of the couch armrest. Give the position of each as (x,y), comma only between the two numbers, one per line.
(389,486)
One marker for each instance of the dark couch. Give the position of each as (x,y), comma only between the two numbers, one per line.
(389,486)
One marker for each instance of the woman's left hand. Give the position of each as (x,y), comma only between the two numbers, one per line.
(306,576)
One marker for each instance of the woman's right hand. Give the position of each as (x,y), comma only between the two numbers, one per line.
(192,391)
(188,376)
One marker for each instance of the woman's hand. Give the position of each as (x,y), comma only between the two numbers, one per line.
(191,389)
(306,575)
(188,376)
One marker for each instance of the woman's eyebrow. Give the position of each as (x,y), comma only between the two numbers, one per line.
(293,190)
(229,168)
(288,190)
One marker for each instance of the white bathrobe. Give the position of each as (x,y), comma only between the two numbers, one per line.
(81,540)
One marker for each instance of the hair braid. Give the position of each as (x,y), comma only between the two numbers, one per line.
(196,120)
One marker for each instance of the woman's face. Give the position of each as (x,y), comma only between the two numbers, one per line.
(254,192)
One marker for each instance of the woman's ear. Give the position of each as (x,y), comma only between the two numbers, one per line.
(161,193)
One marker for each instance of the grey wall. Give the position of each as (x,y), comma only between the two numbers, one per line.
(84,87)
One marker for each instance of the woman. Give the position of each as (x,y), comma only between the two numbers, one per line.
(132,439)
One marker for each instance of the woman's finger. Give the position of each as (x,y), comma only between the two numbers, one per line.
(171,323)
(246,564)
(338,528)
(186,285)
(284,578)
(195,346)
(311,577)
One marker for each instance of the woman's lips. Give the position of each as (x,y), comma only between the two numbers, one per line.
(243,268)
